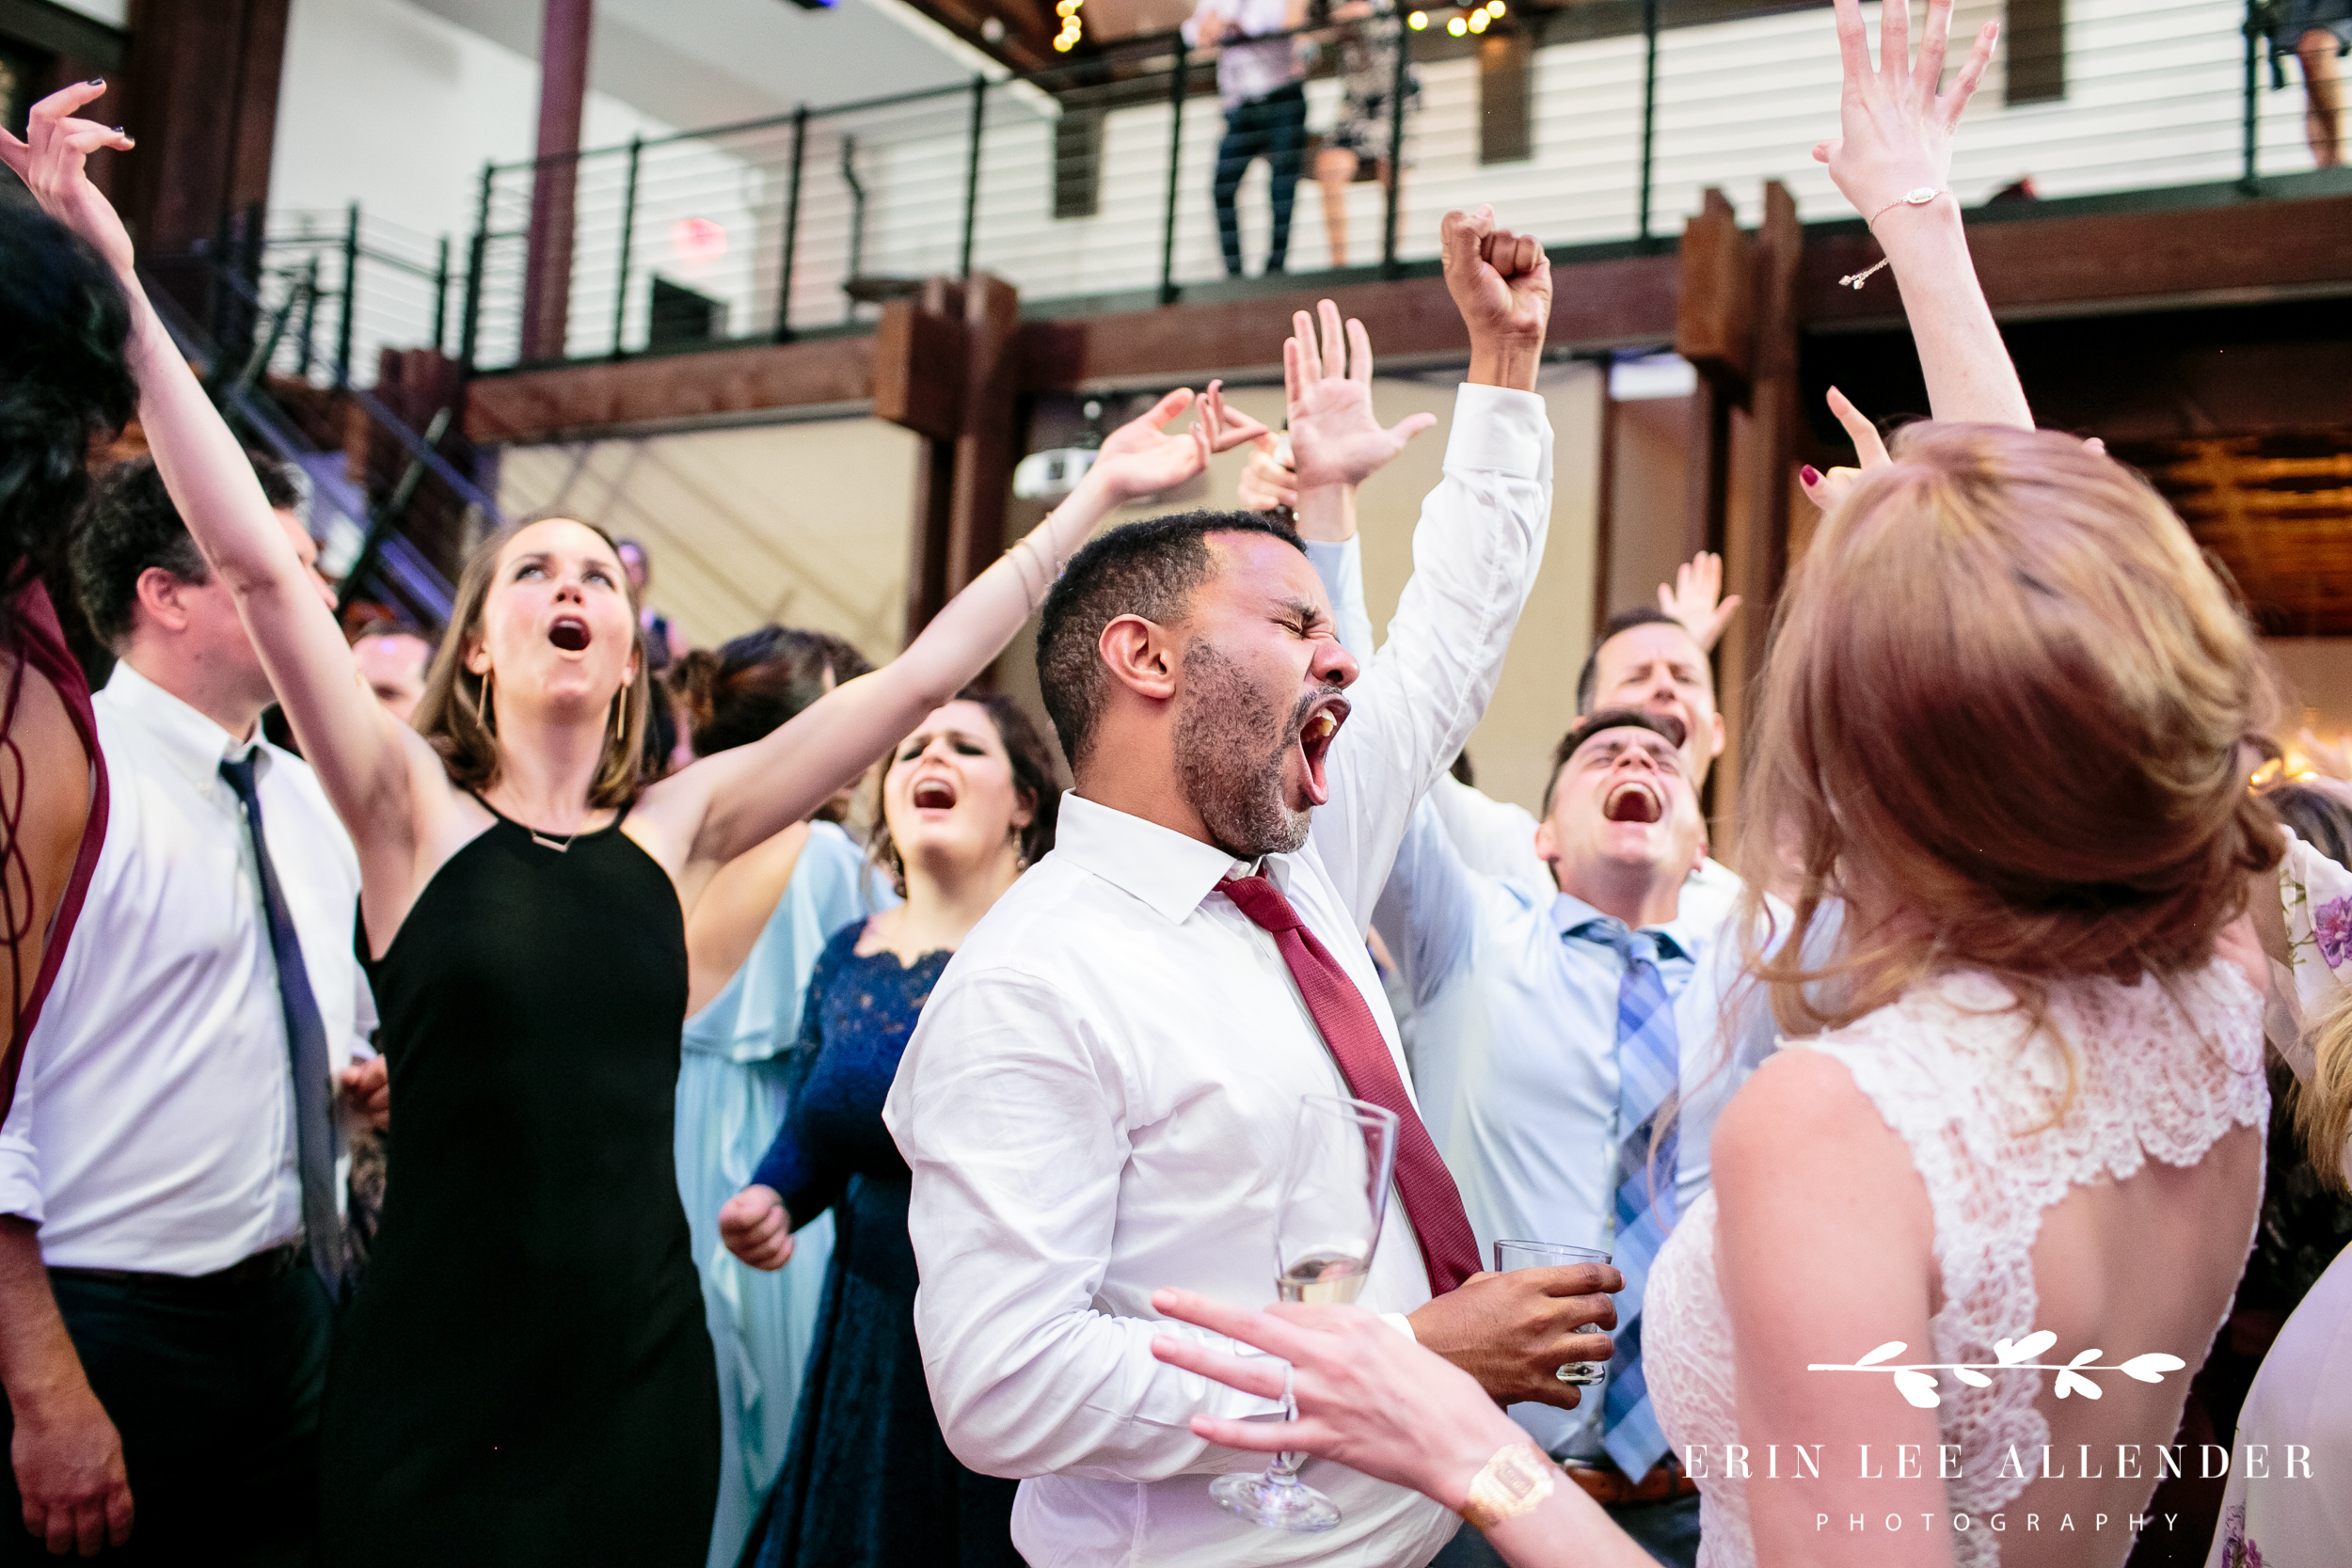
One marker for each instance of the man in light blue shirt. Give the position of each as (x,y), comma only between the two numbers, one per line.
(1563,1032)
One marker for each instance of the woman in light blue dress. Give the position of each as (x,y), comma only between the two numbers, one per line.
(783,899)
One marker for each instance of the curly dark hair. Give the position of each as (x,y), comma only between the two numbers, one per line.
(130,525)
(64,386)
(1033,780)
(1149,568)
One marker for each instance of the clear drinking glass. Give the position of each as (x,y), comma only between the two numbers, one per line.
(1335,1190)
(1555,1255)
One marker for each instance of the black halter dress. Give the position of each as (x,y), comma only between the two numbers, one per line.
(524,1376)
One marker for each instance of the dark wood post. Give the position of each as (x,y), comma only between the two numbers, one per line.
(199,91)
(1757,493)
(563,37)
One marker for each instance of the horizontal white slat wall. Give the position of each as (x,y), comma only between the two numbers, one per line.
(2153,99)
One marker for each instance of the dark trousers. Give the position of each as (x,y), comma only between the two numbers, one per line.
(1272,128)
(214,1388)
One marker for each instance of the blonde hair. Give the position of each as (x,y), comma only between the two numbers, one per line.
(463,727)
(2323,1107)
(2007,718)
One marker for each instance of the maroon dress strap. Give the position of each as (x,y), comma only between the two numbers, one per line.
(40,646)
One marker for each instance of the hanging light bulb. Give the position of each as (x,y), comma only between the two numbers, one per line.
(1417,20)
(1478,22)
(1494,9)
(1457,27)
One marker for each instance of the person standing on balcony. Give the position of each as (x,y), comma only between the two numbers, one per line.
(1367,46)
(1261,80)
(2319,33)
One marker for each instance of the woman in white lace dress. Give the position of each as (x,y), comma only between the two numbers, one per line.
(1972,1224)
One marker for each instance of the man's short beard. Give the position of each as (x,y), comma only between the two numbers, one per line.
(1230,745)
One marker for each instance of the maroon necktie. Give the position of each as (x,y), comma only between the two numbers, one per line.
(1449,1249)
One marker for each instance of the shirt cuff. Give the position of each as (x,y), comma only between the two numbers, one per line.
(1402,1324)
(19,1182)
(1499,430)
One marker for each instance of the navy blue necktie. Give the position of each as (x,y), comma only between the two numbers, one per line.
(305,1049)
(1650,1066)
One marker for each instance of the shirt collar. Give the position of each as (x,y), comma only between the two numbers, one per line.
(1168,871)
(191,740)
(1569,912)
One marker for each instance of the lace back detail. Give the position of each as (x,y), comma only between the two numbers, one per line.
(2001,1120)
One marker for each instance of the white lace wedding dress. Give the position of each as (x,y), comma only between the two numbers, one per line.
(2155,1080)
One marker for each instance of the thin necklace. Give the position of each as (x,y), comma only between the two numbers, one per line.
(544,842)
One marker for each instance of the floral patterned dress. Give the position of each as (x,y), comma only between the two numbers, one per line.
(2289,1503)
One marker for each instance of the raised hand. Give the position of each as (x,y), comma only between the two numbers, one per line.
(1335,439)
(1142,458)
(1501,283)
(1895,128)
(1698,584)
(52,162)
(755,1228)
(1267,480)
(1826,490)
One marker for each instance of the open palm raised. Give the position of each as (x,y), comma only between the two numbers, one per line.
(1140,458)
(1335,438)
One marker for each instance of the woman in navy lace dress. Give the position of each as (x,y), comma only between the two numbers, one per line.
(867,1483)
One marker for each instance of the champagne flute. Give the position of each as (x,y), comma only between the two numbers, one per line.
(1327,1224)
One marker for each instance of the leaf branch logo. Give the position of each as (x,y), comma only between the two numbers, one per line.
(1916,1381)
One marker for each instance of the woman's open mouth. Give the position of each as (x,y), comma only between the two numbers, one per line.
(1316,734)
(569,633)
(1634,802)
(934,795)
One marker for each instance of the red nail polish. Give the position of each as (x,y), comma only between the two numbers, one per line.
(1810,474)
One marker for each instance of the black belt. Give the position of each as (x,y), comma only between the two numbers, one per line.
(260,1269)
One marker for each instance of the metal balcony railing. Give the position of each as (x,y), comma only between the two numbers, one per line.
(1592,124)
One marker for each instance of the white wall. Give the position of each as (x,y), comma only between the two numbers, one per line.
(387,104)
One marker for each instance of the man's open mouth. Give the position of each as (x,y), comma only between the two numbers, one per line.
(1634,802)
(1316,734)
(569,633)
(934,795)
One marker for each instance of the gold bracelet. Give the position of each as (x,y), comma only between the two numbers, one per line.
(1514,1481)
(1918,197)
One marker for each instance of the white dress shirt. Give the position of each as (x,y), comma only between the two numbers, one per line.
(153,1124)
(1515,1054)
(1249,64)
(1102,1092)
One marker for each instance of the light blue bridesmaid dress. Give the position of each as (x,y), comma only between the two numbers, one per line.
(730,1102)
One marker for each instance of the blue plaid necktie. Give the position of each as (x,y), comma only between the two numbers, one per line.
(305,1049)
(1650,1066)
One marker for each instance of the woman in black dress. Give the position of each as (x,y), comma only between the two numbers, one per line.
(966,805)
(524,1377)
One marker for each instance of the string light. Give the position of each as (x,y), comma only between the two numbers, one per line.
(1457,27)
(1073,25)
(1478,21)
(1417,20)
(1494,9)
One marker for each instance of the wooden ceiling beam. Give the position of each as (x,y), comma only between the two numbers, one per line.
(2053,265)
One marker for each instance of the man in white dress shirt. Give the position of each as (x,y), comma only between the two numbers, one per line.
(1102,1092)
(169,1245)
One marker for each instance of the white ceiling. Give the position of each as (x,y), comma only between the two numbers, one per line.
(694,63)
